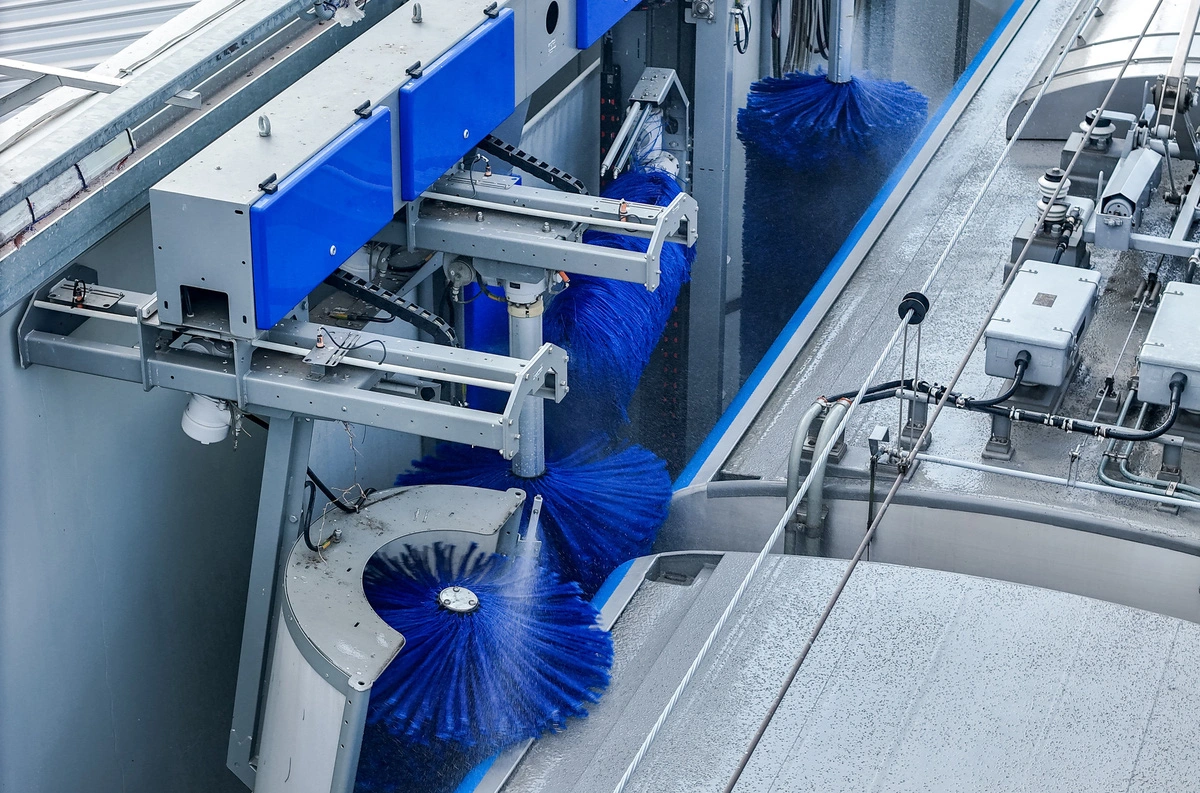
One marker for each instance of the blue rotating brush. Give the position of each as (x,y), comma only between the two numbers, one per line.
(601,507)
(610,328)
(818,147)
(497,650)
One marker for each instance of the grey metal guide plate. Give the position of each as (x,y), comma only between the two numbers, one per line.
(921,681)
(325,592)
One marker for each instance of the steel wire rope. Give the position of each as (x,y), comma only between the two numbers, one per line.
(916,446)
(823,454)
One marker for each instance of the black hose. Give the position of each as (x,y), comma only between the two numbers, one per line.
(336,500)
(1022,363)
(306,517)
(889,386)
(1067,424)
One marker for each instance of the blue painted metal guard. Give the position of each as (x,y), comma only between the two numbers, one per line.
(321,213)
(458,100)
(743,395)
(594,18)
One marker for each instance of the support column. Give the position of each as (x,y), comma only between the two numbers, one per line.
(285,468)
(713,124)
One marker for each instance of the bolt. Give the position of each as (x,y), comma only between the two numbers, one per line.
(332,250)
(479,217)
(546,226)
(466,134)
(292,519)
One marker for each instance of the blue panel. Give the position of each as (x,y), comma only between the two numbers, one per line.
(457,102)
(594,18)
(336,201)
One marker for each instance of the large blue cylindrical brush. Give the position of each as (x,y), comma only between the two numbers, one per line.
(496,650)
(808,122)
(818,148)
(610,328)
(602,506)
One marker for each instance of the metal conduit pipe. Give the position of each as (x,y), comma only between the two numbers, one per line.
(797,452)
(1181,489)
(1151,486)
(1058,480)
(813,529)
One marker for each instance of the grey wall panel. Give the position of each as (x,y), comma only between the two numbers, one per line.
(566,133)
(124,555)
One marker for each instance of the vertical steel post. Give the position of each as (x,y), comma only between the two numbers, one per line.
(280,501)
(841,41)
(524,340)
(713,137)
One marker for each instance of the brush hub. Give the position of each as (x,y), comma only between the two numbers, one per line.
(458,599)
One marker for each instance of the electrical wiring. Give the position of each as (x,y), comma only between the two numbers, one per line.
(485,291)
(351,348)
(741,19)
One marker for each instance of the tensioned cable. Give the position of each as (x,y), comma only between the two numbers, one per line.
(916,446)
(823,454)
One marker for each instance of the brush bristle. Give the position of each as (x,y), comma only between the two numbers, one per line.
(610,328)
(391,764)
(805,121)
(529,658)
(601,507)
(816,155)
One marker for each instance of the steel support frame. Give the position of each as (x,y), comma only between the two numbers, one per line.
(280,502)
(270,375)
(712,105)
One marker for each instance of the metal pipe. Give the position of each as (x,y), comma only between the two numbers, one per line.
(635,108)
(841,39)
(629,227)
(524,340)
(367,363)
(797,451)
(1057,480)
(631,142)
(816,496)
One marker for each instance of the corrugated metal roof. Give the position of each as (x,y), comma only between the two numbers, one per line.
(76,34)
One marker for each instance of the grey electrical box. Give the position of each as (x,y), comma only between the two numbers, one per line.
(1044,313)
(1172,345)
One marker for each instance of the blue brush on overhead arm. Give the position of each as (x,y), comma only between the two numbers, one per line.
(810,121)
(610,328)
(818,147)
